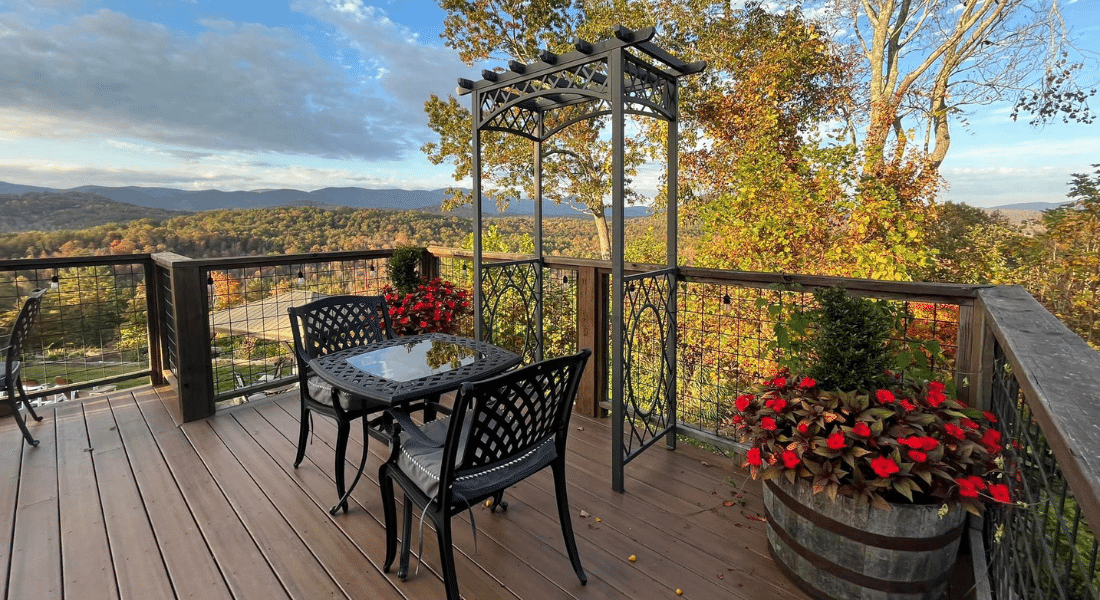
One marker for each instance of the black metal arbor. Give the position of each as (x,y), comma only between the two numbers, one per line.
(626,75)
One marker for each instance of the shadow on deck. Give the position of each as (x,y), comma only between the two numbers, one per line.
(120,502)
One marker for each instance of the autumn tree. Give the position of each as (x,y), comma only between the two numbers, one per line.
(1062,268)
(929,61)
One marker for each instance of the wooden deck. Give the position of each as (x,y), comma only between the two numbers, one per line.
(120,502)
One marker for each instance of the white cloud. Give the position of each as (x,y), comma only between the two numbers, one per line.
(232,87)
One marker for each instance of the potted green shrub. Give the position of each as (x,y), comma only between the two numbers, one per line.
(418,305)
(868,473)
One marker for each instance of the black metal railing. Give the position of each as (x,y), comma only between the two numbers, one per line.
(92,334)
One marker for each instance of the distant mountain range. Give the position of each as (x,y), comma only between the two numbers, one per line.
(1033,206)
(353,197)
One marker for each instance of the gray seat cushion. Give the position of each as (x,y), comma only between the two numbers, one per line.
(321,392)
(422,463)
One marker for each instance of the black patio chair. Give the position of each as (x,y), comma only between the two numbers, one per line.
(13,381)
(501,431)
(324,326)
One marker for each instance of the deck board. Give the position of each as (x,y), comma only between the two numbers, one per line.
(85,554)
(215,509)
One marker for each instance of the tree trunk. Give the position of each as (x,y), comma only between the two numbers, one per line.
(602,232)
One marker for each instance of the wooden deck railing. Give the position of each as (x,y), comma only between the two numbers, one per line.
(1004,351)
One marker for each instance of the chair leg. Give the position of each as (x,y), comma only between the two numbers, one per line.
(389,509)
(26,402)
(19,418)
(406,539)
(343,429)
(303,435)
(447,557)
(558,467)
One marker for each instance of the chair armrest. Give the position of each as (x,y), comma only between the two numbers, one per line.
(403,423)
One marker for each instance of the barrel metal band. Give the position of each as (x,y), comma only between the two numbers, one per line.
(864,537)
(866,581)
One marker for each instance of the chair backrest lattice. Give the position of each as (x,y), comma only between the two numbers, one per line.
(513,413)
(22,328)
(339,322)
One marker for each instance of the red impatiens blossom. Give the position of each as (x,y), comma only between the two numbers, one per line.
(835,441)
(1000,493)
(991,439)
(861,429)
(967,489)
(954,431)
(992,418)
(967,423)
(780,382)
(884,396)
(807,383)
(935,399)
(919,443)
(908,406)
(753,457)
(803,428)
(936,386)
(738,418)
(790,459)
(884,466)
(767,424)
(977,482)
(776,404)
(743,401)
(918,456)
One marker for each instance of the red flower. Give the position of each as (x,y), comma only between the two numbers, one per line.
(999,491)
(967,488)
(908,406)
(780,382)
(743,402)
(767,423)
(919,443)
(884,396)
(935,399)
(803,428)
(790,459)
(969,424)
(753,457)
(861,429)
(776,404)
(977,482)
(936,386)
(807,383)
(835,440)
(918,456)
(738,418)
(954,431)
(884,466)
(992,418)
(991,439)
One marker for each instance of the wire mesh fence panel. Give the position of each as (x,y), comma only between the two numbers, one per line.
(559,305)
(251,342)
(91,335)
(1043,548)
(731,336)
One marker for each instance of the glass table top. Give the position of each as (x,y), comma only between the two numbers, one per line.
(406,362)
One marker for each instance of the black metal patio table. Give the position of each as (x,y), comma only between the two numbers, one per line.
(399,370)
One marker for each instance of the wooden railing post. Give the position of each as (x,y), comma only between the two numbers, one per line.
(152,323)
(592,333)
(194,381)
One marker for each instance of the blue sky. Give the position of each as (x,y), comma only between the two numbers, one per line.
(239,95)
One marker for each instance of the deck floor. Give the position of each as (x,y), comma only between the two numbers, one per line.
(120,502)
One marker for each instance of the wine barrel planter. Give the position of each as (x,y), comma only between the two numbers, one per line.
(846,551)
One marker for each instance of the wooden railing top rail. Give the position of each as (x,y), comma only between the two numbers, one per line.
(1059,374)
(234,262)
(950,293)
(72,261)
